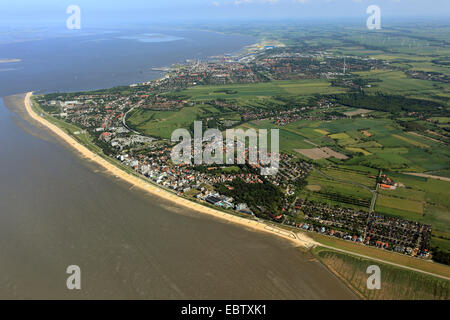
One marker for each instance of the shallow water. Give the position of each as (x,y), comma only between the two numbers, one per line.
(97,59)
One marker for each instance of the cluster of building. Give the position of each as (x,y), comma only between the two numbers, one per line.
(289,173)
(431,76)
(156,165)
(198,181)
(401,236)
(282,116)
(98,112)
(374,229)
(215,73)
(291,65)
(387,183)
(222,201)
(160,102)
(285,117)
(104,114)
(280,64)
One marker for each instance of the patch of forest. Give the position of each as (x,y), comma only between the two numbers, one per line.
(388,103)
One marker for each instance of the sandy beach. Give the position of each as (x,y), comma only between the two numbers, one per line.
(297,239)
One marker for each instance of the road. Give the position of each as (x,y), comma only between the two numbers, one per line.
(124,120)
(386,262)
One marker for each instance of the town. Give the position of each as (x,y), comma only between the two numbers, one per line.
(239,188)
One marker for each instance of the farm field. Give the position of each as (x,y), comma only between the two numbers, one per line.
(289,139)
(382,145)
(260,90)
(162,123)
(397,82)
(325,190)
(400,207)
(351,175)
(370,142)
(434,194)
(422,199)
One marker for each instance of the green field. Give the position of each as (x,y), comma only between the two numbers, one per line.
(400,207)
(350,175)
(422,199)
(397,82)
(261,90)
(163,123)
(388,147)
(319,187)
(442,120)
(289,139)
(358,150)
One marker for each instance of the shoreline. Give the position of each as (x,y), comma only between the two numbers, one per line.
(299,240)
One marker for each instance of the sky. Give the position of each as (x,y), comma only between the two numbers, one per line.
(98,12)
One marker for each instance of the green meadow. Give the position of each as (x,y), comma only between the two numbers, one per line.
(161,124)
(260,90)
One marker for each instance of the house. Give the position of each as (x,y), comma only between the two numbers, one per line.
(106,136)
(213,200)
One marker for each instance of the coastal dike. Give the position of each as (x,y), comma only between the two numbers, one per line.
(297,239)
(396,283)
